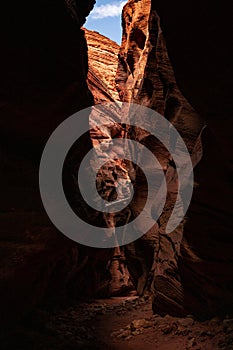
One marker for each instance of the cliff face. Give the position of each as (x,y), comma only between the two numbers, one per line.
(102,66)
(145,76)
(201,54)
(188,280)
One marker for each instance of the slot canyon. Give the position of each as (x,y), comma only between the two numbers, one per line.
(165,290)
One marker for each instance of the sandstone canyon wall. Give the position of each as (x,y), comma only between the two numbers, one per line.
(44,79)
(190,270)
(102,66)
(201,53)
(145,76)
(44,68)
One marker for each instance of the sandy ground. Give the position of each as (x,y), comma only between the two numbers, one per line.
(120,323)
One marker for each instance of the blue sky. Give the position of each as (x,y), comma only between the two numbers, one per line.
(105,18)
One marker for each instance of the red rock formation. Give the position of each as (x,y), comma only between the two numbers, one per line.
(43,69)
(102,66)
(200,281)
(201,53)
(145,76)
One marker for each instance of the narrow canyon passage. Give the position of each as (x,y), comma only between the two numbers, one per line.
(164,290)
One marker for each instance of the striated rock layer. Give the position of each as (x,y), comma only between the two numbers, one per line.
(102,66)
(185,271)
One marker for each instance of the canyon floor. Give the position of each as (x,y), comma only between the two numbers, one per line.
(118,323)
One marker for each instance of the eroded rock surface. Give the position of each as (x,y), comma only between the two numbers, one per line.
(145,76)
(102,66)
(204,74)
(198,278)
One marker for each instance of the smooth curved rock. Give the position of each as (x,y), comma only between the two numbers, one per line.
(145,76)
(199,38)
(189,271)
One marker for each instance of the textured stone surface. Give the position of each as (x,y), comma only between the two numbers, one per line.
(145,76)
(201,54)
(112,183)
(200,280)
(102,66)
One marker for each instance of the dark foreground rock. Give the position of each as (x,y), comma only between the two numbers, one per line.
(43,68)
(174,65)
